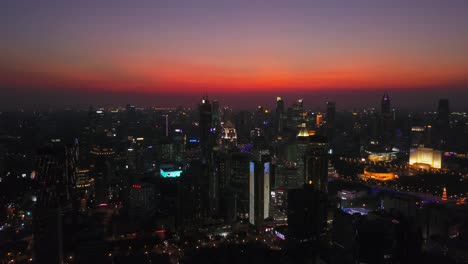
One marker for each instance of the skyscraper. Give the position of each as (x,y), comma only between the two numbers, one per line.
(207,141)
(302,143)
(279,115)
(330,118)
(316,163)
(443,112)
(307,208)
(386,128)
(54,168)
(385,105)
(206,129)
(442,123)
(259,188)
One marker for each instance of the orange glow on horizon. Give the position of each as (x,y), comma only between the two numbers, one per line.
(186,77)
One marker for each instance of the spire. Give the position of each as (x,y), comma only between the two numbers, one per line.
(385,97)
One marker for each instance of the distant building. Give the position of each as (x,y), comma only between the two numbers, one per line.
(443,112)
(331,120)
(386,127)
(280,115)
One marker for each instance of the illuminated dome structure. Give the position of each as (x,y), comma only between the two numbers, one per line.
(379,154)
(378,173)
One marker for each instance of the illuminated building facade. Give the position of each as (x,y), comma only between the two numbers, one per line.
(170,171)
(259,189)
(426,156)
(229,136)
(378,173)
(381,156)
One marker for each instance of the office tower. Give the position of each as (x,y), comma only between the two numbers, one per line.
(316,163)
(216,114)
(228,116)
(101,170)
(443,112)
(307,212)
(54,169)
(386,128)
(259,188)
(244,124)
(142,198)
(302,144)
(331,120)
(259,117)
(178,139)
(239,181)
(206,128)
(442,123)
(298,113)
(385,105)
(417,136)
(279,115)
(48,234)
(207,142)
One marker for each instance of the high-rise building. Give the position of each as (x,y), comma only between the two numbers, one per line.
(386,127)
(101,170)
(302,144)
(54,169)
(259,188)
(307,212)
(298,114)
(206,128)
(331,120)
(385,104)
(443,112)
(279,115)
(142,198)
(442,123)
(216,112)
(316,163)
(239,181)
(207,142)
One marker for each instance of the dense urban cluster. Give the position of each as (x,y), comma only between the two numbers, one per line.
(212,184)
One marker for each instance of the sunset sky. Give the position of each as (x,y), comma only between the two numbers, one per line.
(226,47)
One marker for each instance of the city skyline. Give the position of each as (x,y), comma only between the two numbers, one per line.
(163,49)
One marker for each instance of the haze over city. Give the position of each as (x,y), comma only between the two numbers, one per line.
(152,49)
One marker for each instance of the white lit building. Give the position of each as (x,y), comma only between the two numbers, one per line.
(425,156)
